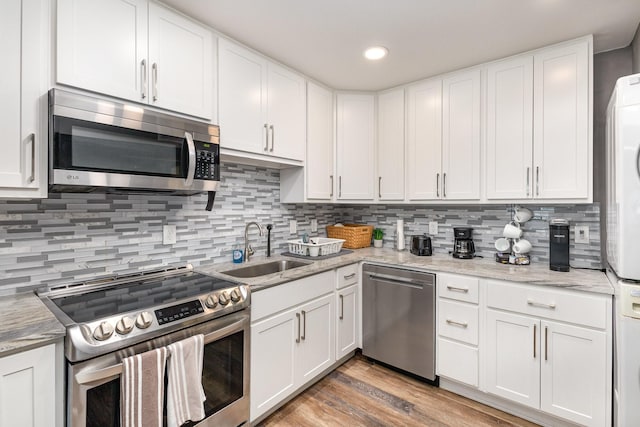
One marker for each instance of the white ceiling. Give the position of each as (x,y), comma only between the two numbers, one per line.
(325,39)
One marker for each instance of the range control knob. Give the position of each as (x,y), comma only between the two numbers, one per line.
(144,319)
(103,331)
(211,301)
(223,298)
(124,325)
(235,295)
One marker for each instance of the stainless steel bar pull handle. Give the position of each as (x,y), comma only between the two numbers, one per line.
(551,306)
(331,178)
(535,332)
(379,187)
(537,180)
(273,137)
(546,343)
(298,317)
(266,137)
(154,72)
(339,186)
(437,185)
(454,322)
(528,188)
(457,289)
(304,324)
(32,177)
(341,307)
(444,185)
(143,78)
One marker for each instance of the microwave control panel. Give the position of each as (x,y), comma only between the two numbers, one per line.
(207,161)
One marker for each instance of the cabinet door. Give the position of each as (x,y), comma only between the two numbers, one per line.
(286,113)
(181,61)
(424,140)
(27,388)
(241,98)
(316,351)
(509,129)
(102,46)
(355,142)
(348,321)
(513,357)
(24,42)
(390,145)
(573,375)
(273,350)
(319,159)
(562,137)
(461,136)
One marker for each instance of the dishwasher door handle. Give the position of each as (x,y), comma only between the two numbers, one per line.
(412,283)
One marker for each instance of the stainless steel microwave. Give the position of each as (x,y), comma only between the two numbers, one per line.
(101,145)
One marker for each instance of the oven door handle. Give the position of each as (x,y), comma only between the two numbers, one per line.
(86,377)
(191,168)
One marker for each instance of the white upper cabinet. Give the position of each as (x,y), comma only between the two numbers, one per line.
(319,159)
(181,58)
(136,50)
(390,145)
(509,128)
(562,123)
(461,136)
(24,49)
(424,140)
(355,123)
(261,105)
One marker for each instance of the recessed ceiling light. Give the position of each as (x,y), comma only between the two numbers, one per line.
(376,52)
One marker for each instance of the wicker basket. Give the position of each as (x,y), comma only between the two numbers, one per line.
(355,235)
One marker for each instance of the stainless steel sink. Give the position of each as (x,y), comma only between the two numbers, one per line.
(266,268)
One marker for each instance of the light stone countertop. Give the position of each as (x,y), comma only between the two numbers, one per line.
(25,323)
(584,280)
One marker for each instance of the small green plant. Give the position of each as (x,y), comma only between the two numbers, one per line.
(377,234)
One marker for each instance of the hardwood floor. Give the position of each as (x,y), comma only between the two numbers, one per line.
(361,393)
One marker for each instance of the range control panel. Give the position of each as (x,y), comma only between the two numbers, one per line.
(207,161)
(178,312)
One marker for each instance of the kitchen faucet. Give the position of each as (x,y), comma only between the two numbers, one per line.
(248,250)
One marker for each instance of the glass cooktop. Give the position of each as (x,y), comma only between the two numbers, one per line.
(138,295)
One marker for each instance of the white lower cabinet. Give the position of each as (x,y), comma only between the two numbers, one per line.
(536,359)
(292,338)
(348,315)
(28,388)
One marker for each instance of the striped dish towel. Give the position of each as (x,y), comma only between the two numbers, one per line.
(142,389)
(184,388)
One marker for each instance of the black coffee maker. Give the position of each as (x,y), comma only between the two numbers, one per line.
(463,247)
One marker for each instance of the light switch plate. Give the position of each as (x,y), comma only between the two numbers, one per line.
(581,234)
(314,225)
(293,226)
(168,234)
(433,228)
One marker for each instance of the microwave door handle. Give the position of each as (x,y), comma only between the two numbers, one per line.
(191,169)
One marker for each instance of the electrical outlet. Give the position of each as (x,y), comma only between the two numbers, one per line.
(168,234)
(433,228)
(293,226)
(314,225)
(581,234)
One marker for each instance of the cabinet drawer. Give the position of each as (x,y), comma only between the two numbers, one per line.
(458,321)
(347,275)
(461,288)
(566,306)
(458,362)
(273,300)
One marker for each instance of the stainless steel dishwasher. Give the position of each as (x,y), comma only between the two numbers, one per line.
(398,317)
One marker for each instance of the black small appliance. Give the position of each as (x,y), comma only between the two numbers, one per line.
(421,245)
(559,245)
(463,247)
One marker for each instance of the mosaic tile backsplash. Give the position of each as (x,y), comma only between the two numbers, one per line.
(70,237)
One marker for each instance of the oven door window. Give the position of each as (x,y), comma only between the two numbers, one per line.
(88,146)
(222,380)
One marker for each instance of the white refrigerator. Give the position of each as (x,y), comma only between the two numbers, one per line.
(623,244)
